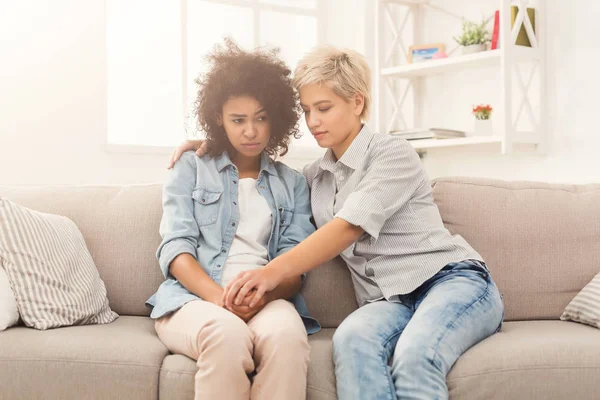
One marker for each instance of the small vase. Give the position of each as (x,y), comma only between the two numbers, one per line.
(474,48)
(483,127)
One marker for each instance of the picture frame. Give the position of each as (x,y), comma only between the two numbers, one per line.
(424,52)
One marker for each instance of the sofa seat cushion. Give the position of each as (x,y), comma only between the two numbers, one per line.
(177,372)
(120,360)
(531,360)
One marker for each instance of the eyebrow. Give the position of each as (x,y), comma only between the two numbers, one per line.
(317,103)
(244,115)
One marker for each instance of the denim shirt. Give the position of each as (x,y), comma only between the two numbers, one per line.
(200,217)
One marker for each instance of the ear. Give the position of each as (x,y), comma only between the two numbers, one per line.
(359,103)
(219,119)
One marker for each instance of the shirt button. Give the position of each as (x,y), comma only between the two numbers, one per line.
(204,200)
(223,251)
(218,265)
(235,182)
(262,187)
(233,224)
(342,178)
(234,203)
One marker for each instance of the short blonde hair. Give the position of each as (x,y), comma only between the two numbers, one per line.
(345,71)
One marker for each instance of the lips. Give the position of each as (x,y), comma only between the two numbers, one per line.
(318,135)
(251,145)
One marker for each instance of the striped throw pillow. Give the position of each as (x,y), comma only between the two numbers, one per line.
(51,271)
(585,307)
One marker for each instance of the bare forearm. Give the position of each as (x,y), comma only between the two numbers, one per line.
(286,289)
(191,275)
(323,245)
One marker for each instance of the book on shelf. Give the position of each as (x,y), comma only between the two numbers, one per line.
(496,31)
(428,133)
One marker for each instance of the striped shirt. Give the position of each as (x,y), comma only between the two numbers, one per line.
(380,185)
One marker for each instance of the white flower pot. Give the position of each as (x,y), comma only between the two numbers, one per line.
(474,48)
(483,127)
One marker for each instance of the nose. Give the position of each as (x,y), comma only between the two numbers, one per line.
(251,130)
(312,120)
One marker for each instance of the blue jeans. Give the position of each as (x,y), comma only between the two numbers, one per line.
(404,350)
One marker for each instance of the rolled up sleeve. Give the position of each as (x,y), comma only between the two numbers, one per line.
(391,178)
(178,227)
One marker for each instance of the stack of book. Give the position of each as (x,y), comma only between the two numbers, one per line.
(428,133)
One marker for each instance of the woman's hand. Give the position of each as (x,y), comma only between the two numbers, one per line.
(261,280)
(199,146)
(244,311)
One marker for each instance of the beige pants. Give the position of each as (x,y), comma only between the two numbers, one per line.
(273,343)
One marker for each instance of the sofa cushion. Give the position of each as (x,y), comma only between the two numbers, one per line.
(530,360)
(52,274)
(120,360)
(120,227)
(540,241)
(321,375)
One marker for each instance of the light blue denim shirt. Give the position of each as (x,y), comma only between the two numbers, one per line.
(200,217)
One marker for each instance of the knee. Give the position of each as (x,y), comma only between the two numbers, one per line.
(287,333)
(350,337)
(229,334)
(415,358)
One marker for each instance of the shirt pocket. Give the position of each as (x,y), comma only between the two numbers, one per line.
(206,205)
(285,216)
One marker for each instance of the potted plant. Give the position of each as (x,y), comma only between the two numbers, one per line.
(474,37)
(483,123)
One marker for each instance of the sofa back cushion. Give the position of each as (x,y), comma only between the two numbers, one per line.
(120,227)
(540,241)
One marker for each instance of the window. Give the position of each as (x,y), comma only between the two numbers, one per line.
(155,52)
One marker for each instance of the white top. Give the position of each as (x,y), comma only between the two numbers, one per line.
(249,247)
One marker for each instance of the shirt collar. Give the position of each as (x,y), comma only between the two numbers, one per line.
(266,164)
(353,155)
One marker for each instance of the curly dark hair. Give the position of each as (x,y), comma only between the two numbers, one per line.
(260,74)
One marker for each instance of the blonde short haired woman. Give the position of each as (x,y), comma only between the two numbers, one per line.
(425,295)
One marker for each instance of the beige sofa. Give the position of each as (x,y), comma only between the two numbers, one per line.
(541,242)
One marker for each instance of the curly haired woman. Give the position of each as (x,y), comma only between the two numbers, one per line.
(234,210)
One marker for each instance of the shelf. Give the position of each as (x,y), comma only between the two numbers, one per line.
(456,63)
(466,141)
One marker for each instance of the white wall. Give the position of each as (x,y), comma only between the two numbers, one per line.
(53,98)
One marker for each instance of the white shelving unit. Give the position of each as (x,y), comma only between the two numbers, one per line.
(508,59)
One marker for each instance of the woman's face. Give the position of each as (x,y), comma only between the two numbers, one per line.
(332,120)
(247,125)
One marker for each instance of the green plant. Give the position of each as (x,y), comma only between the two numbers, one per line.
(473,33)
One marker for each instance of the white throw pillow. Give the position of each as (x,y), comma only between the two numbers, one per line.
(51,272)
(9,314)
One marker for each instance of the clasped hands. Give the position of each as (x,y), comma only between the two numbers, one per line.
(249,292)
